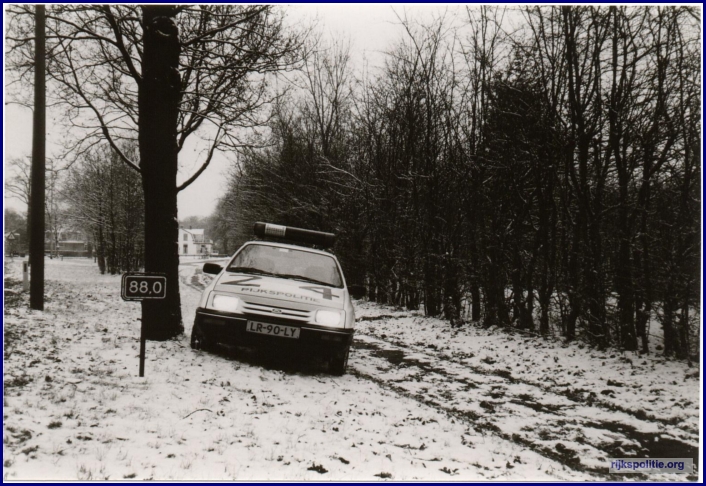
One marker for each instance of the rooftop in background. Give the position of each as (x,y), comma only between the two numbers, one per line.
(197,237)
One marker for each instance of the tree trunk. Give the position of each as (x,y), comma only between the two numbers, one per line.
(475,304)
(644,300)
(574,280)
(475,269)
(431,288)
(594,280)
(624,279)
(544,316)
(452,292)
(624,284)
(159,95)
(546,265)
(671,339)
(684,351)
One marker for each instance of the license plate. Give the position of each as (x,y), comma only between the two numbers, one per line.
(273,329)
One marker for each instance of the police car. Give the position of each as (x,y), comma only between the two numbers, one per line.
(280,296)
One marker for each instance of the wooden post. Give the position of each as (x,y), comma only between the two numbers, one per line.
(143,337)
(36,242)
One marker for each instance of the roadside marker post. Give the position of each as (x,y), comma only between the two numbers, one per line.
(25,275)
(139,287)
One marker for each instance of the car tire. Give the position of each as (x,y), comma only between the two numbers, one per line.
(198,339)
(338,362)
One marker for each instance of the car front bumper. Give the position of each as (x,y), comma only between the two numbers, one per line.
(229,329)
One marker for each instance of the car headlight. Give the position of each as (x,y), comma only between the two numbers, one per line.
(225,303)
(328,318)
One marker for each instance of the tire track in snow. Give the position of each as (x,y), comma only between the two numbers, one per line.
(525,418)
(575,395)
(191,279)
(474,420)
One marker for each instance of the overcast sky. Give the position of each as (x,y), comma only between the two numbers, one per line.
(371,28)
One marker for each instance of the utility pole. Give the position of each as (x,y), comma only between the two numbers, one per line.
(36,237)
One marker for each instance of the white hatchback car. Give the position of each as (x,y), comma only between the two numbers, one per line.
(280,296)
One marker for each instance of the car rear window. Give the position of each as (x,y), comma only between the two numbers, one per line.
(287,263)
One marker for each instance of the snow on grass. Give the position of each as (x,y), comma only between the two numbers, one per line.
(74,407)
(571,402)
(666,389)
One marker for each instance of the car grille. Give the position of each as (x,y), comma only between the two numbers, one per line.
(274,311)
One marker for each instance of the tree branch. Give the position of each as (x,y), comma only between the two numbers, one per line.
(120,44)
(104,128)
(203,167)
(215,31)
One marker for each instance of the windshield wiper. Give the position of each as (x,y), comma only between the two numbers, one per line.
(250,271)
(303,279)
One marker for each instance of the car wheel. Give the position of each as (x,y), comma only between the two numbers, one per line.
(338,362)
(198,339)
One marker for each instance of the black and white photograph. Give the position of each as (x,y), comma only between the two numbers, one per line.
(352,242)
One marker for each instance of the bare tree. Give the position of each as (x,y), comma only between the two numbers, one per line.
(19,185)
(327,76)
(160,75)
(103,197)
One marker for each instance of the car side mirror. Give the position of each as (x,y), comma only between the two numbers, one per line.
(357,291)
(212,268)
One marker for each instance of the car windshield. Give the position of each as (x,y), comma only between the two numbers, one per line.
(287,263)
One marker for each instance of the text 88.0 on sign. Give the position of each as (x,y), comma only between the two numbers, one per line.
(143,286)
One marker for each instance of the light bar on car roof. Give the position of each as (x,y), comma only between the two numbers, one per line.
(294,234)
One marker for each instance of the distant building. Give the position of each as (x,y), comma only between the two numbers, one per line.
(67,242)
(194,242)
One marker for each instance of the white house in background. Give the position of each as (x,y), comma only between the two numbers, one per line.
(193,242)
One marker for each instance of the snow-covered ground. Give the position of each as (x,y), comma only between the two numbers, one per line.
(421,401)
(571,402)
